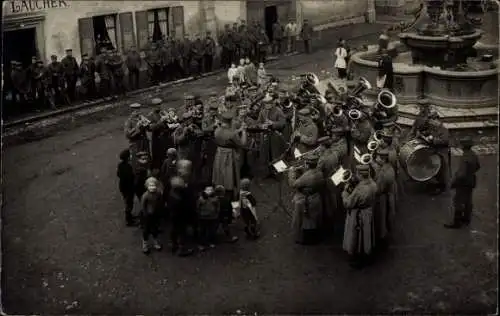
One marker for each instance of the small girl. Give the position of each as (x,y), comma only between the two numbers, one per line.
(261,75)
(125,174)
(208,213)
(241,70)
(231,73)
(151,208)
(248,211)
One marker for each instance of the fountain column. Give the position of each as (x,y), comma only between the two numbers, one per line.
(370,11)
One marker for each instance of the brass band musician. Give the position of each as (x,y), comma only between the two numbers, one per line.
(306,133)
(187,138)
(208,125)
(135,131)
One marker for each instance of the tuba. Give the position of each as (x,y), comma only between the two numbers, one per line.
(363,85)
(337,111)
(372,145)
(386,102)
(354,114)
(366,159)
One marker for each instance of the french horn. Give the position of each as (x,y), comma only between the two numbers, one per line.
(363,84)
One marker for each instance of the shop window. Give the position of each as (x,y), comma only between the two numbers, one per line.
(158,24)
(105,35)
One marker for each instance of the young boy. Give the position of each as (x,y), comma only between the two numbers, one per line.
(225,212)
(141,173)
(208,213)
(125,175)
(178,205)
(261,75)
(151,208)
(231,73)
(248,211)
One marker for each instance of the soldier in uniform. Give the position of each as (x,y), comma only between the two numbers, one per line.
(168,60)
(158,130)
(306,34)
(307,204)
(197,53)
(306,132)
(272,119)
(133,62)
(118,73)
(209,53)
(136,134)
(385,207)
(437,136)
(188,139)
(20,83)
(227,160)
(277,37)
(209,123)
(31,73)
(262,46)
(359,204)
(57,74)
(155,63)
(236,36)
(229,46)
(464,182)
(37,72)
(186,55)
(87,78)
(224,55)
(70,68)
(102,67)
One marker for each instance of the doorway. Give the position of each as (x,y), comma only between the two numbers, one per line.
(270,17)
(19,45)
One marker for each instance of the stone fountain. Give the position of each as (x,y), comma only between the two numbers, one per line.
(441,61)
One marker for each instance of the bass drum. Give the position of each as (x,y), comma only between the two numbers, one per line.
(419,160)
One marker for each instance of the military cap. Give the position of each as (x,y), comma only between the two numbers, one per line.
(304,112)
(245,184)
(135,105)
(171,152)
(85,55)
(213,94)
(53,56)
(186,115)
(39,61)
(467,142)
(363,168)
(312,158)
(124,154)
(252,88)
(227,116)
(156,101)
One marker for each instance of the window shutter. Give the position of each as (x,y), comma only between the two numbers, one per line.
(178,21)
(171,26)
(141,22)
(127,30)
(86,30)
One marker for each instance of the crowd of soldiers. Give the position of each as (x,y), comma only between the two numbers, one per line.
(42,85)
(209,151)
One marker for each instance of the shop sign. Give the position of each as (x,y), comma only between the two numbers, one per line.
(29,6)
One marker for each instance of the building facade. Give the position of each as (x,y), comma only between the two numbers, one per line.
(47,27)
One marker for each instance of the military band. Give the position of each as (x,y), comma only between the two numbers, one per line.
(344,159)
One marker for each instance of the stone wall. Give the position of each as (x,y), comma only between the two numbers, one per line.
(320,12)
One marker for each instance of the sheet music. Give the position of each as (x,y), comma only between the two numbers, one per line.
(297,153)
(337,176)
(280,166)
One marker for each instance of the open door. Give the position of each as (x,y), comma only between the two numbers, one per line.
(270,17)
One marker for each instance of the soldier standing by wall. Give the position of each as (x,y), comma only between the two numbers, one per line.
(102,67)
(197,53)
(306,33)
(186,55)
(70,67)
(118,73)
(133,62)
(57,74)
(237,42)
(209,53)
(86,77)
(177,58)
(277,37)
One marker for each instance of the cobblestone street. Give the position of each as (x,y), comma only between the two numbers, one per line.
(66,249)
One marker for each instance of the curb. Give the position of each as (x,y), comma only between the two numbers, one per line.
(97,102)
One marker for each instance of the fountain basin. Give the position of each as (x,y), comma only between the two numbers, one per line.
(474,88)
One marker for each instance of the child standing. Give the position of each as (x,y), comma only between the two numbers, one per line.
(241,71)
(141,173)
(208,213)
(178,206)
(231,73)
(225,212)
(248,211)
(151,208)
(261,75)
(125,175)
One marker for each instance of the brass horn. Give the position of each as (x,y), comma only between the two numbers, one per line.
(144,121)
(337,111)
(363,85)
(354,114)
(366,159)
(387,102)
(312,78)
(372,145)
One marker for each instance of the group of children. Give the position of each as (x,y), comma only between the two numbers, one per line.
(170,194)
(247,72)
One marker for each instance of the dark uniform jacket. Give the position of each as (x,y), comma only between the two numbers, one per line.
(307,32)
(133,60)
(70,66)
(465,177)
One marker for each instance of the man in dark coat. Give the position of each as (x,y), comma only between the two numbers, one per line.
(155,63)
(177,58)
(118,73)
(102,67)
(168,60)
(87,78)
(386,69)
(237,42)
(133,62)
(277,37)
(70,67)
(209,53)
(186,55)
(20,83)
(464,183)
(56,72)
(197,53)
(306,34)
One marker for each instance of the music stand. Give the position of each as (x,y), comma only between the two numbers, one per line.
(278,177)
